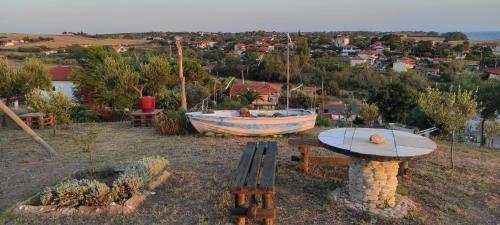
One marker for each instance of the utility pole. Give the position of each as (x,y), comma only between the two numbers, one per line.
(288,73)
(182,79)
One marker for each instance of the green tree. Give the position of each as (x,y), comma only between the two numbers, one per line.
(52,102)
(249,96)
(87,141)
(113,84)
(394,100)
(449,109)
(491,128)
(152,75)
(370,113)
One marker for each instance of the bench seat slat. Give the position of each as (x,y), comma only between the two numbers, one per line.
(253,176)
(269,167)
(244,165)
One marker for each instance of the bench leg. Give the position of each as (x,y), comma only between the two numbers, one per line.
(304,151)
(267,200)
(240,203)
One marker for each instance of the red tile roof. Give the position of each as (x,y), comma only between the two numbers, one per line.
(495,71)
(60,73)
(368,52)
(408,60)
(351,46)
(262,88)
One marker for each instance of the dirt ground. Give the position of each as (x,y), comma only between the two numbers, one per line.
(202,167)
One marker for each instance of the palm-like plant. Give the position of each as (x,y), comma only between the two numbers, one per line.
(250,96)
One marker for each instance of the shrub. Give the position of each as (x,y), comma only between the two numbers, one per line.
(172,123)
(80,114)
(323,122)
(73,193)
(136,175)
(55,103)
(229,104)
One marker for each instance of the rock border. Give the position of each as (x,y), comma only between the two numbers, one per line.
(402,207)
(128,207)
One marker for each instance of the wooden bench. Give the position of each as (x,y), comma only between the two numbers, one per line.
(305,160)
(254,178)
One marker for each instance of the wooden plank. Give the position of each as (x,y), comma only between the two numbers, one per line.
(269,167)
(260,213)
(304,141)
(253,175)
(329,160)
(244,165)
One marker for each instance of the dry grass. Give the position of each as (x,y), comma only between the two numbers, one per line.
(66,40)
(202,167)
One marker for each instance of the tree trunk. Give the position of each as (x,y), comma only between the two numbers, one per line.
(451,150)
(181,73)
(483,139)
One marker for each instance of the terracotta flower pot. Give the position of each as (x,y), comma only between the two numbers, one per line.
(148,103)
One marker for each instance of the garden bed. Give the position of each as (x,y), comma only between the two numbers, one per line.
(107,191)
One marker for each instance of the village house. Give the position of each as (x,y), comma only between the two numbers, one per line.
(239,48)
(356,60)
(432,72)
(61,81)
(349,49)
(404,64)
(491,73)
(206,44)
(379,47)
(120,49)
(336,110)
(340,41)
(370,55)
(269,94)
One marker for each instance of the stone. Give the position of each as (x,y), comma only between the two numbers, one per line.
(134,201)
(68,211)
(219,135)
(86,210)
(377,139)
(209,134)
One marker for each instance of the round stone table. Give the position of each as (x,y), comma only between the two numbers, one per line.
(374,167)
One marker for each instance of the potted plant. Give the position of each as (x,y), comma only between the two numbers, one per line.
(153,76)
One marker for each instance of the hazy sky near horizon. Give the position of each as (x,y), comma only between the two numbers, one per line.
(112,16)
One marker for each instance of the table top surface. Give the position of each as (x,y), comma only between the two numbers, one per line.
(356,142)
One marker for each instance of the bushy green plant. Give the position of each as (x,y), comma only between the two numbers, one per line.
(80,114)
(323,122)
(229,104)
(55,103)
(74,193)
(136,175)
(172,123)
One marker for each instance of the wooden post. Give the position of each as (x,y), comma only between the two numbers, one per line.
(182,79)
(268,204)
(240,203)
(304,151)
(27,129)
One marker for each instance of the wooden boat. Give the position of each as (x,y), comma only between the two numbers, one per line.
(260,123)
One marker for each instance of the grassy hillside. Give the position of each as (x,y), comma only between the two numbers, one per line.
(202,167)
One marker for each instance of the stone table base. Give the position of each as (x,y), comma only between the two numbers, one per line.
(401,208)
(373,183)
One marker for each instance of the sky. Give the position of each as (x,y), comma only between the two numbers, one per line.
(114,16)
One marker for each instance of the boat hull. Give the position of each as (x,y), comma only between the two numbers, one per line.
(226,122)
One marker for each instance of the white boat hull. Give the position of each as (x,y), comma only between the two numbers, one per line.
(229,122)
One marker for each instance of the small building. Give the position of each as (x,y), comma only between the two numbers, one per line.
(206,44)
(350,49)
(120,49)
(61,81)
(369,55)
(431,72)
(356,60)
(239,48)
(379,47)
(340,41)
(491,73)
(269,94)
(404,64)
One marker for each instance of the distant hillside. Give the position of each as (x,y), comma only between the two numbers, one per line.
(59,41)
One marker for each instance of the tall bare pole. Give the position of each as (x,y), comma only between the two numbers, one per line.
(182,79)
(288,73)
(27,129)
